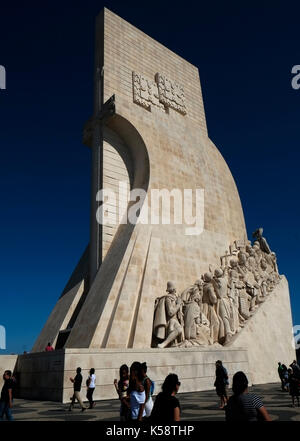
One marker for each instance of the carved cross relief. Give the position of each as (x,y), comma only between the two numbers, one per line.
(161,93)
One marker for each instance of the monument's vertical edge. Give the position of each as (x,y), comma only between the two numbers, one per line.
(97,152)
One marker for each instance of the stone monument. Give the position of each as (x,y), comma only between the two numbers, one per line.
(148,131)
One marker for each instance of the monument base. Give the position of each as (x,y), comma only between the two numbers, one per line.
(268,336)
(46,376)
(256,350)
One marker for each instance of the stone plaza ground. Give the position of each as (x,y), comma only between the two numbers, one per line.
(196,406)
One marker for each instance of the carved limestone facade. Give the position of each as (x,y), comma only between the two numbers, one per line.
(161,93)
(218,305)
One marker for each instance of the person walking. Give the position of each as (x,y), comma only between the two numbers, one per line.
(243,406)
(294,386)
(283,374)
(295,368)
(6,400)
(122,387)
(148,386)
(221,383)
(77,388)
(166,407)
(91,384)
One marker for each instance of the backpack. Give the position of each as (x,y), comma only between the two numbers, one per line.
(152,384)
(152,387)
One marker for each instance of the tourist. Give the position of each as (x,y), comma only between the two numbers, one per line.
(91,384)
(286,380)
(281,372)
(294,386)
(6,399)
(122,388)
(243,406)
(137,392)
(295,368)
(149,387)
(77,387)
(49,348)
(166,407)
(221,383)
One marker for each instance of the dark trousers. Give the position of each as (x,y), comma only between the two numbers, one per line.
(89,395)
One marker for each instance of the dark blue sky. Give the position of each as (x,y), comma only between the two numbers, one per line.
(245,52)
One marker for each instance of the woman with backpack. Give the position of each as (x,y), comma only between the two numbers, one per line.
(243,406)
(148,386)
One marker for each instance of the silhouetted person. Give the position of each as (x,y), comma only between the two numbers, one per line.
(294,386)
(122,387)
(166,407)
(77,387)
(49,348)
(243,406)
(221,383)
(6,400)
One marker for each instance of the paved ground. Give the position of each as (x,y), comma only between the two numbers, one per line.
(197,406)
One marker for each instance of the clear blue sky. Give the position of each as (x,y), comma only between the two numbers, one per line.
(245,52)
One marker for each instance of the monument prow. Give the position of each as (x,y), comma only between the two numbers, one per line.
(148,133)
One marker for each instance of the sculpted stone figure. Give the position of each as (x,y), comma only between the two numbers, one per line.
(223,306)
(248,277)
(262,241)
(209,300)
(234,286)
(196,325)
(190,292)
(168,317)
(218,305)
(192,313)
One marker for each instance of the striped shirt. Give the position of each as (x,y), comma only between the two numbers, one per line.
(243,407)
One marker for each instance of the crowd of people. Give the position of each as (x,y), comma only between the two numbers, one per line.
(135,391)
(290,380)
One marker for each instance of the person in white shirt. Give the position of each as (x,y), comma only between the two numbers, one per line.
(91,384)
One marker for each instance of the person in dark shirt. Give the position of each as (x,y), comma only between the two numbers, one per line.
(77,387)
(294,386)
(166,407)
(6,399)
(243,406)
(295,368)
(221,383)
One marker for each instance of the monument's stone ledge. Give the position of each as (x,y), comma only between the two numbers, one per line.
(46,376)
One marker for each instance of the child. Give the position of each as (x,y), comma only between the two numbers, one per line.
(122,387)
